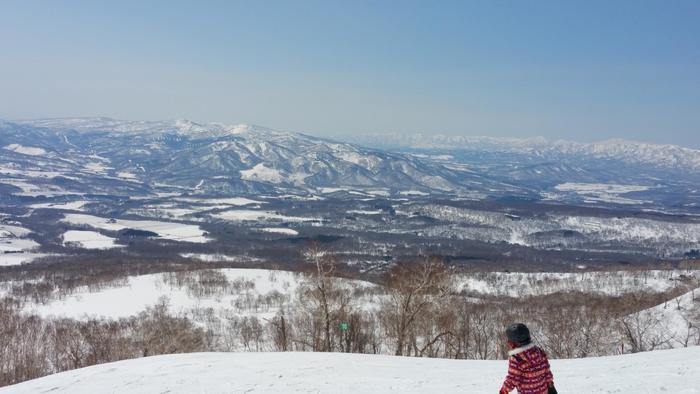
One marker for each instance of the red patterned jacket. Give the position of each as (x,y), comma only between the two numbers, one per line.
(528,371)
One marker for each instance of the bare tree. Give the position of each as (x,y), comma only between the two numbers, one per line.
(280,332)
(327,298)
(412,288)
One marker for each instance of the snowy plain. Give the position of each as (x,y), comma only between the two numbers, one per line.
(25,150)
(135,293)
(15,247)
(88,240)
(166,230)
(673,371)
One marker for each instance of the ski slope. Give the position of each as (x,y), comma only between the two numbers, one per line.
(674,371)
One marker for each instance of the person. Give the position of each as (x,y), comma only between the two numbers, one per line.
(528,366)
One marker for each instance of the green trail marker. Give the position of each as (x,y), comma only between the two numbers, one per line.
(344,326)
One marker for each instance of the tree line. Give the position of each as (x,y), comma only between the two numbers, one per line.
(417,313)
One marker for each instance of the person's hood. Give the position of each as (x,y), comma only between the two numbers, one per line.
(521,349)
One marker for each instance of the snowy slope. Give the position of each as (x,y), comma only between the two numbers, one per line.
(673,371)
(138,292)
(672,321)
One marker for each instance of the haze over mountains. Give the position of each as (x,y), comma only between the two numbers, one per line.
(668,156)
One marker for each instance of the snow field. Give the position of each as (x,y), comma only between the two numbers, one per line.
(260,173)
(126,175)
(9,259)
(88,240)
(217,257)
(672,320)
(237,215)
(25,150)
(235,201)
(600,192)
(166,230)
(280,230)
(71,205)
(128,298)
(364,212)
(15,248)
(541,283)
(35,190)
(673,371)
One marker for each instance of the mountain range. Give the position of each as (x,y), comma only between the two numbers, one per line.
(108,156)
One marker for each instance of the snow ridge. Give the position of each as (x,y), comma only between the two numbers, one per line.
(663,155)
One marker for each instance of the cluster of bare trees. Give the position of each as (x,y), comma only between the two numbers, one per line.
(31,347)
(415,311)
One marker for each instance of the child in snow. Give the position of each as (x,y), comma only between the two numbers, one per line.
(528,367)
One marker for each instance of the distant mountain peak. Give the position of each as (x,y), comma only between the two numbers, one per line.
(179,126)
(666,155)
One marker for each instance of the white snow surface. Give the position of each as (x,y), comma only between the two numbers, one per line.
(33,190)
(166,230)
(136,293)
(235,201)
(126,175)
(413,193)
(260,173)
(365,212)
(673,371)
(15,247)
(592,188)
(252,215)
(88,240)
(98,168)
(673,320)
(25,150)
(602,192)
(70,205)
(9,259)
(218,257)
(280,230)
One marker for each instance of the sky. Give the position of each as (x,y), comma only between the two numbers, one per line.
(576,70)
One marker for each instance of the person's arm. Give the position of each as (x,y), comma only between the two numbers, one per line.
(513,378)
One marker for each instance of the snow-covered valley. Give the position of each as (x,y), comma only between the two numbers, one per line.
(128,227)
(483,202)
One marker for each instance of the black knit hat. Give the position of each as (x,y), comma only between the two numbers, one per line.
(518,334)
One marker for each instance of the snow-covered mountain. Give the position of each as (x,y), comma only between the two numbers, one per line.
(667,156)
(673,371)
(116,157)
(215,158)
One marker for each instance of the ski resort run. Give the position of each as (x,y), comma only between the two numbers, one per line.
(665,371)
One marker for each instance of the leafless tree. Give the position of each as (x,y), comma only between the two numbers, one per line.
(412,288)
(325,297)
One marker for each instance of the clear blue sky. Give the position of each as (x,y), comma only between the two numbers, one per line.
(584,71)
